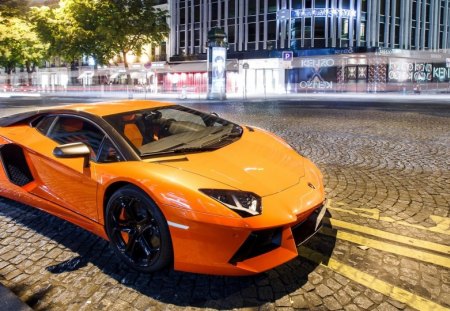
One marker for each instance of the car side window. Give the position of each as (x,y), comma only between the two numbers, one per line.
(44,124)
(72,129)
(108,152)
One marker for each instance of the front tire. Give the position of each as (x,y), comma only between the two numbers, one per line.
(137,230)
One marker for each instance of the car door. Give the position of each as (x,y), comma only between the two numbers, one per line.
(66,181)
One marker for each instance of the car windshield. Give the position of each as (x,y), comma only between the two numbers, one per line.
(174,129)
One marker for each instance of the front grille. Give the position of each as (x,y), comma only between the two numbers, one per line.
(258,243)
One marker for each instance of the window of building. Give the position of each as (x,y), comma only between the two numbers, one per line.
(261,31)
(319,4)
(319,28)
(252,7)
(230,34)
(272,6)
(232,8)
(307,28)
(344,28)
(346,4)
(182,16)
(272,30)
(214,12)
(252,32)
(261,6)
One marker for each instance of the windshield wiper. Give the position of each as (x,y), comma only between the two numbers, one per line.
(179,150)
(224,138)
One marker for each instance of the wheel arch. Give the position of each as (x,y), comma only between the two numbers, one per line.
(116,185)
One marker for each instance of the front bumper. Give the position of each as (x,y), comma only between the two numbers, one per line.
(213,249)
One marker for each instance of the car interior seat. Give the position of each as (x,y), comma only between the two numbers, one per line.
(132,131)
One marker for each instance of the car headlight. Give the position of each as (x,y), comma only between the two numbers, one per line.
(246,204)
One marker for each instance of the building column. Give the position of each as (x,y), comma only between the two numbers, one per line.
(387,16)
(445,42)
(358,22)
(376,23)
(174,29)
(418,24)
(257,26)
(192,30)
(240,13)
(422,32)
(350,25)
(333,25)
(393,13)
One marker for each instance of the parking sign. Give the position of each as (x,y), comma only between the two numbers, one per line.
(287,56)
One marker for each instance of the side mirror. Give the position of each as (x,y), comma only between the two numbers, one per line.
(73,150)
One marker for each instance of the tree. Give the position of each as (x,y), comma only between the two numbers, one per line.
(9,8)
(19,45)
(101,28)
(128,25)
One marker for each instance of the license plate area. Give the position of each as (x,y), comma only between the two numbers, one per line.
(303,231)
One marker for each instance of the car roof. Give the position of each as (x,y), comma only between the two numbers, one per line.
(97,109)
(109,108)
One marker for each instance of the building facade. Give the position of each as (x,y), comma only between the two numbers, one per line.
(298,24)
(336,45)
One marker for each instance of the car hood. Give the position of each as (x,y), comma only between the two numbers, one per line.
(258,162)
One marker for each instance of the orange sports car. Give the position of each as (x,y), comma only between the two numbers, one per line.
(165,184)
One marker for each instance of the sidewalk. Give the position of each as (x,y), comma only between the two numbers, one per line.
(9,301)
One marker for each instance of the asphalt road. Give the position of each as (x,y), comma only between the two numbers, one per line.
(385,245)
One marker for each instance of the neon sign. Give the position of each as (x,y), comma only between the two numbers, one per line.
(322,13)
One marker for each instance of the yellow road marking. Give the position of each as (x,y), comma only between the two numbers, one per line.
(391,236)
(442,223)
(387,289)
(391,248)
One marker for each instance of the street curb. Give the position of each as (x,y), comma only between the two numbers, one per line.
(9,301)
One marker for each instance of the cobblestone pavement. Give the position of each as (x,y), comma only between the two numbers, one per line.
(385,246)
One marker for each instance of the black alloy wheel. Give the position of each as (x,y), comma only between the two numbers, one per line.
(137,230)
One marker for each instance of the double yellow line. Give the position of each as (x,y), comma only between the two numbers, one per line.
(433,253)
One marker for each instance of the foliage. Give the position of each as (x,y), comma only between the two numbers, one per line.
(100,28)
(9,8)
(19,44)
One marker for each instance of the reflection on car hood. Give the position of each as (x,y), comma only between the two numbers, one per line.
(258,162)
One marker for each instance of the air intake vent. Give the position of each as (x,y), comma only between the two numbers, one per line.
(15,165)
